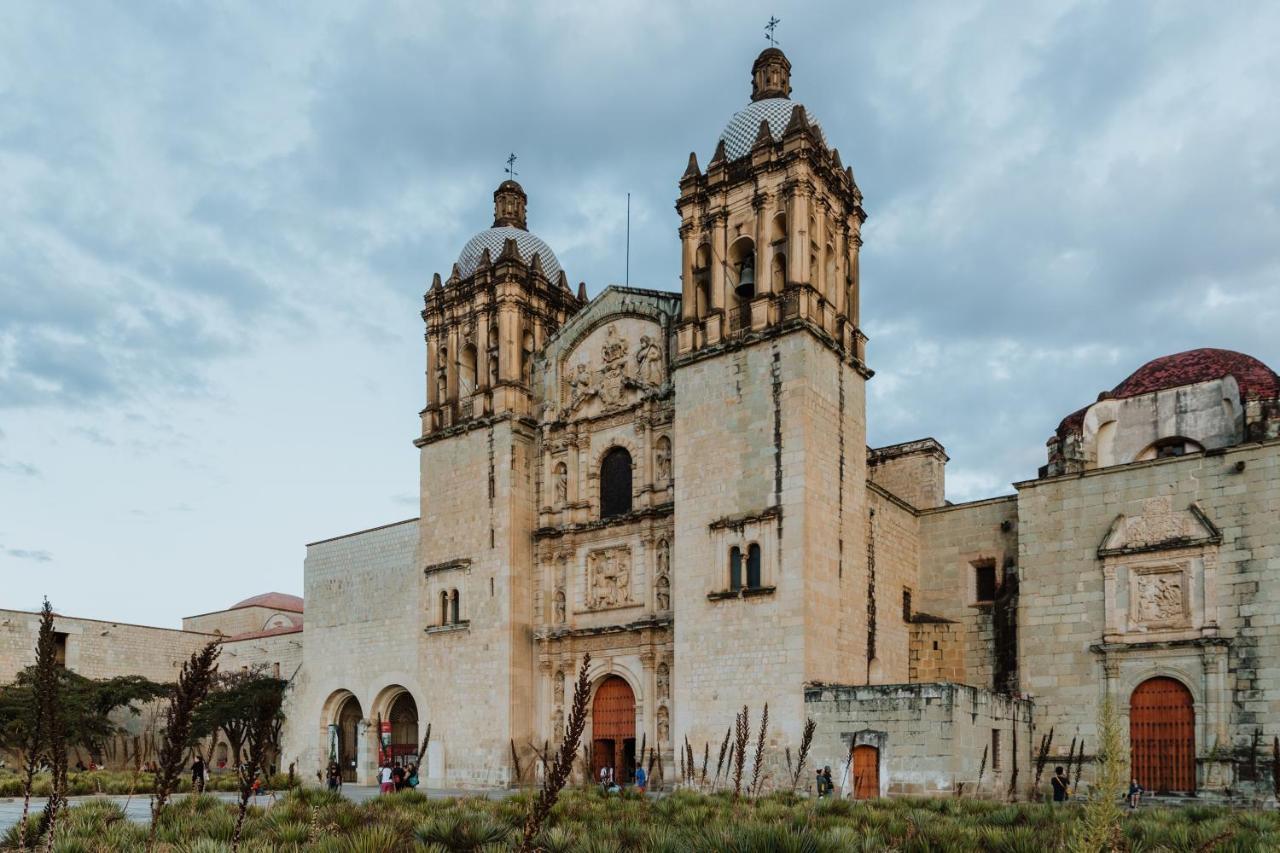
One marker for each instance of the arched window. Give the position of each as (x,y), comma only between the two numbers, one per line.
(753,566)
(779,271)
(444,608)
(453,607)
(735,568)
(467,370)
(615,483)
(702,279)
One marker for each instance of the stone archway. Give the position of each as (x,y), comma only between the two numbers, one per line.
(613,729)
(403,718)
(1162,735)
(348,720)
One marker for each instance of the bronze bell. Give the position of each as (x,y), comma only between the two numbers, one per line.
(746,287)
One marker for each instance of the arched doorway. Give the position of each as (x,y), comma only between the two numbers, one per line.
(613,729)
(403,716)
(866,772)
(349,717)
(1162,736)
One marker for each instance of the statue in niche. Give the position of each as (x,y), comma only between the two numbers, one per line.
(493,369)
(557,723)
(664,681)
(662,461)
(663,593)
(664,725)
(664,558)
(559,607)
(649,361)
(562,484)
(609,577)
(1159,597)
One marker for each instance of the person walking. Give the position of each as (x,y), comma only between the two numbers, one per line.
(642,779)
(384,779)
(333,777)
(197,775)
(826,780)
(1061,785)
(411,778)
(819,783)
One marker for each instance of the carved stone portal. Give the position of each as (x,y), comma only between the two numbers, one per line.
(608,578)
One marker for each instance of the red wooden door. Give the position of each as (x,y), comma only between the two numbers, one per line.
(866,772)
(613,725)
(1162,736)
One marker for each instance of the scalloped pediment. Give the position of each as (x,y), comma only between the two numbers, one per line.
(1159,527)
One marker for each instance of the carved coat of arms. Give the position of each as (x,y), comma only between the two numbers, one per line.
(617,372)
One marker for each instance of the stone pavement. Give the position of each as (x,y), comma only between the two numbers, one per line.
(138,807)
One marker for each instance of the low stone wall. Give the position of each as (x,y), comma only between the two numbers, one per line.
(930,738)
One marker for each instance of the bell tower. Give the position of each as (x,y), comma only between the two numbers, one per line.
(505,296)
(770,232)
(770,422)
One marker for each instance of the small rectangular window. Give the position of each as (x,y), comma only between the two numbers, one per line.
(984,581)
(906,605)
(60,648)
(995,749)
(753,567)
(735,568)
(275,670)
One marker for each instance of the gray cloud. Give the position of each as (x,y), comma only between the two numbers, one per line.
(38,556)
(1056,193)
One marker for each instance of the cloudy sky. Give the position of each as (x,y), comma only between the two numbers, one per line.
(217,222)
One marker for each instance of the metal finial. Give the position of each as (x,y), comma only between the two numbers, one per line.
(511,166)
(769,28)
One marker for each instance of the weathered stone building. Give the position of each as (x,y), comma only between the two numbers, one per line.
(680,485)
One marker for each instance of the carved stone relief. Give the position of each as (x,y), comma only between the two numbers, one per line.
(608,373)
(664,681)
(662,585)
(664,725)
(1158,597)
(561,479)
(608,578)
(559,607)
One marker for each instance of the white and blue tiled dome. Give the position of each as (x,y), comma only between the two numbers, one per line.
(493,239)
(770,101)
(509,204)
(740,133)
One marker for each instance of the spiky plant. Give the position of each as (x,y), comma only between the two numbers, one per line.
(1042,756)
(757,768)
(806,741)
(724,748)
(982,769)
(515,764)
(742,734)
(194,681)
(1099,828)
(422,754)
(1275,767)
(46,662)
(47,694)
(262,700)
(706,759)
(563,765)
(1075,783)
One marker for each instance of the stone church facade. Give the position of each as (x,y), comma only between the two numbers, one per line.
(679,484)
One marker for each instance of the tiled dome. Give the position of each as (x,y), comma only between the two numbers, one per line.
(493,239)
(740,133)
(274,600)
(1255,379)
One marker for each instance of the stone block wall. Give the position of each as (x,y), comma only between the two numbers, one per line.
(937,652)
(914,471)
(931,738)
(1231,665)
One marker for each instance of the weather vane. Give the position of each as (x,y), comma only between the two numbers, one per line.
(770,27)
(511,166)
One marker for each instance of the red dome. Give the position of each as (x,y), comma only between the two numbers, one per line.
(1256,380)
(273,600)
